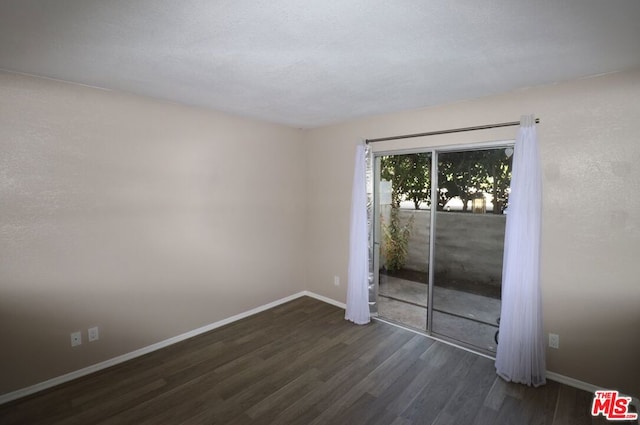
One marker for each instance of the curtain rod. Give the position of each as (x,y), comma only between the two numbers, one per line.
(453,130)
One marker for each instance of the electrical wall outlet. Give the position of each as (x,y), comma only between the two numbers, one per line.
(76,338)
(554,340)
(93,334)
(336,280)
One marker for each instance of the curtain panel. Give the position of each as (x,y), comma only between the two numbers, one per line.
(520,355)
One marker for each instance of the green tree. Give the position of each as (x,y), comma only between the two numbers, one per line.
(396,241)
(409,176)
(469,174)
(498,165)
(464,174)
(461,174)
(447,186)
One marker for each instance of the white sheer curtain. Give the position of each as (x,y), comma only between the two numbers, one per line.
(358,281)
(521,349)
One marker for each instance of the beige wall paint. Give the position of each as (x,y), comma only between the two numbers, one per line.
(591,232)
(146,218)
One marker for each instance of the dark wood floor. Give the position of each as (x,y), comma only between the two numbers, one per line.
(302,363)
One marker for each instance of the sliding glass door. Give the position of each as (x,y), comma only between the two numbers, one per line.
(442,274)
(473,189)
(403,217)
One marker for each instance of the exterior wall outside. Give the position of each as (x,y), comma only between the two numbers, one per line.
(469,247)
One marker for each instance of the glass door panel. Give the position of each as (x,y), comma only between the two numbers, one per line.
(473,189)
(401,236)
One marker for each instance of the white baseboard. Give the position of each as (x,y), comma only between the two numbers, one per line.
(572,382)
(581,385)
(324,299)
(23,392)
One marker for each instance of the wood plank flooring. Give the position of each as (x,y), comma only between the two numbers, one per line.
(302,363)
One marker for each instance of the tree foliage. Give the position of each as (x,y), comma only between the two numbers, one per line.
(410,176)
(396,241)
(464,174)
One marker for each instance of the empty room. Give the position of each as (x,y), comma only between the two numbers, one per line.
(336,212)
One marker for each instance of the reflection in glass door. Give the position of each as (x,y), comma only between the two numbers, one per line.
(403,217)
(446,282)
(473,190)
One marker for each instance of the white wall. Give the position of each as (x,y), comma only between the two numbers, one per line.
(591,233)
(146,218)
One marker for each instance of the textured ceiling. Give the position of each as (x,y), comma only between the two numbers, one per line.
(312,63)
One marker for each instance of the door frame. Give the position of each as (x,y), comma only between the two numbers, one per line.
(375,232)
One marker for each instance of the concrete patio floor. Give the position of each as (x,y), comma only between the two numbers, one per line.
(468,318)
